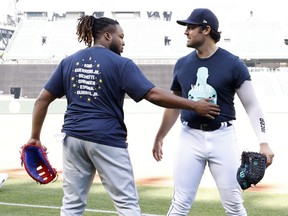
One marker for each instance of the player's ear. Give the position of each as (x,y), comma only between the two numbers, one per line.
(107,36)
(207,29)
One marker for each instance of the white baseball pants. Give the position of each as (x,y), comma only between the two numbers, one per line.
(195,150)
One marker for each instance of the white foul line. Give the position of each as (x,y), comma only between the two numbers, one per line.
(55,207)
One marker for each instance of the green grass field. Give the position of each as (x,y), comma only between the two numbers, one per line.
(25,197)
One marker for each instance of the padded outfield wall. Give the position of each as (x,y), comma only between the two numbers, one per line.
(32,77)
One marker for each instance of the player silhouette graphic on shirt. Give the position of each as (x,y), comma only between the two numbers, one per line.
(202,89)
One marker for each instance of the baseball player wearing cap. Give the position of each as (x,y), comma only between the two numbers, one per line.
(209,72)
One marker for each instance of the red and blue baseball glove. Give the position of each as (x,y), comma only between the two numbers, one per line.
(34,158)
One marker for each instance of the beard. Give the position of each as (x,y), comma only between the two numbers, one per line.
(115,48)
(195,44)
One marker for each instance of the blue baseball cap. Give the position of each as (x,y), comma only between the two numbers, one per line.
(201,16)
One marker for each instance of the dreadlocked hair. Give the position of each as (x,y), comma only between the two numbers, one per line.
(84,30)
(90,28)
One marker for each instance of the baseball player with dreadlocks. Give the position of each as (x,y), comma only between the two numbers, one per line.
(209,71)
(94,81)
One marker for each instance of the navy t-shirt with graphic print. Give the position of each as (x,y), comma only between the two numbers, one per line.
(216,77)
(94,81)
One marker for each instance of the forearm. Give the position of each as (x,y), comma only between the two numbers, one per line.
(169,118)
(249,100)
(165,99)
(38,117)
(258,123)
(39,112)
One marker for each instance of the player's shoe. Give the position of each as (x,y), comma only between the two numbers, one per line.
(3,178)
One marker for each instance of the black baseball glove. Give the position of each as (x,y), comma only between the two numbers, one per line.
(252,169)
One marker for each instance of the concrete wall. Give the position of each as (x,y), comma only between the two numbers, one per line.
(32,77)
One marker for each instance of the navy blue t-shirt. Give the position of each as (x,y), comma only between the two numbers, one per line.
(216,77)
(94,81)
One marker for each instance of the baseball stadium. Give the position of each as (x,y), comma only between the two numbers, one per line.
(36,35)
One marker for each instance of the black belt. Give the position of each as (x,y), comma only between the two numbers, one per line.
(208,127)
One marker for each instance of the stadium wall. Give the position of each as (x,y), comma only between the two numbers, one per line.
(31,77)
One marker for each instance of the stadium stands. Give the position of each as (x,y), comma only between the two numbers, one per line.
(144,40)
(249,39)
(41,40)
(248,30)
(26,43)
(258,39)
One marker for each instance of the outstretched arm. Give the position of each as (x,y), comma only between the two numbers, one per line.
(249,100)
(165,99)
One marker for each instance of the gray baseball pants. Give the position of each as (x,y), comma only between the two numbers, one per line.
(81,160)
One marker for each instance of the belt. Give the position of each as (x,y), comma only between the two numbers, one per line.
(208,127)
